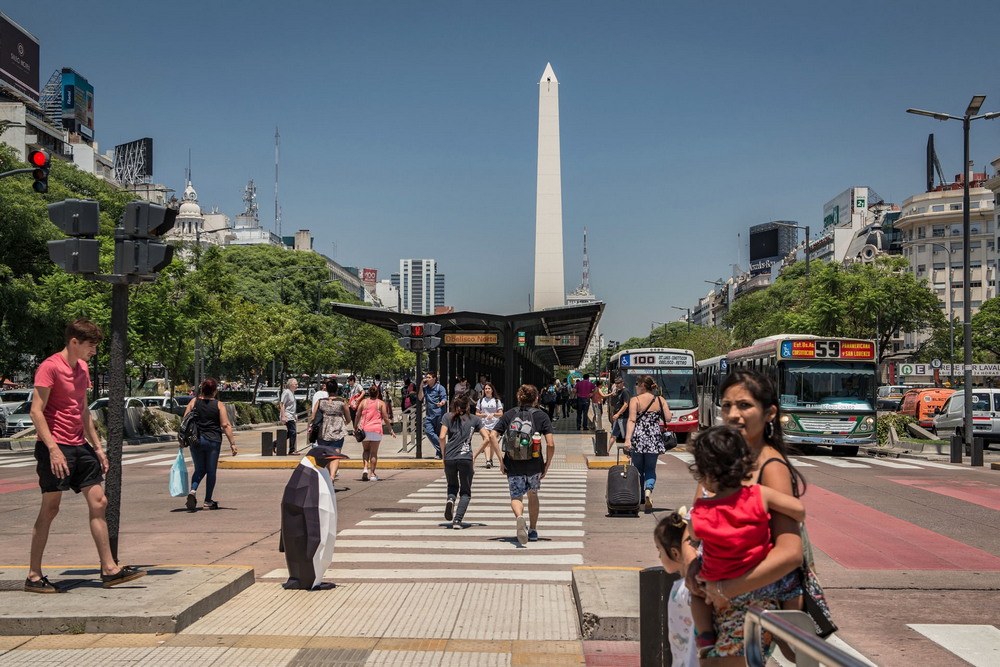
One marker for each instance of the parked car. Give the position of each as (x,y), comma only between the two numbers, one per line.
(985,414)
(182,401)
(921,403)
(268,394)
(304,393)
(161,402)
(888,396)
(12,398)
(18,419)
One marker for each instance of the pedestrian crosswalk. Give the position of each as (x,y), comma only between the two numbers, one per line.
(840,462)
(417,543)
(127,459)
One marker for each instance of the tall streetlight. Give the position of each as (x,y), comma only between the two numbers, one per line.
(805,227)
(687,317)
(319,292)
(951,314)
(971,114)
(652,327)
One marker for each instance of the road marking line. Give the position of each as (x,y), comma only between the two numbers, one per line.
(891,464)
(19,459)
(549,501)
(147,459)
(474,510)
(475,532)
(521,558)
(392,573)
(839,463)
(498,545)
(472,519)
(935,464)
(978,645)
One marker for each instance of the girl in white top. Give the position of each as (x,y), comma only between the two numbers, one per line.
(672,539)
(489,408)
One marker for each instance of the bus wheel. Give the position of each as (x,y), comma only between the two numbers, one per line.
(681,438)
(846,451)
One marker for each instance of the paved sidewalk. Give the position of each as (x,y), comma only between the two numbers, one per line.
(465,623)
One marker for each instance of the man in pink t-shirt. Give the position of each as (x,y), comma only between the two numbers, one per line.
(69,453)
(584,390)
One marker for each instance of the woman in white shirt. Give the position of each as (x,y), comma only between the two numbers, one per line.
(489,408)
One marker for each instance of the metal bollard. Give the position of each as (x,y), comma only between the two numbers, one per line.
(266,443)
(977,452)
(281,443)
(957,444)
(601,443)
(654,633)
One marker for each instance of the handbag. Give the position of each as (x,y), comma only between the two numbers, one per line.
(359,435)
(814,603)
(667,438)
(317,423)
(179,476)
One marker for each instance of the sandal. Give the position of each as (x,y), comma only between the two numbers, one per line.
(43,585)
(126,573)
(211,505)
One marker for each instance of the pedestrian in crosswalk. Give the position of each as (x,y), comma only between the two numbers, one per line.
(457,430)
(524,477)
(489,408)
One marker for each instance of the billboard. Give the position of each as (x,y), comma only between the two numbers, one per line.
(77,104)
(18,58)
(368,278)
(764,244)
(134,161)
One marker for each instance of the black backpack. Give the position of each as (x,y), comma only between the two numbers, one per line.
(188,434)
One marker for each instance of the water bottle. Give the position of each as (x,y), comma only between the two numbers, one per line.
(536,445)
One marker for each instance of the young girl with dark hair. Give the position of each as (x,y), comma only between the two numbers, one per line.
(733,524)
(673,541)
(457,429)
(212,421)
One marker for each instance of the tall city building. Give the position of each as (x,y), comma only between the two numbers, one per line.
(421,287)
(549,291)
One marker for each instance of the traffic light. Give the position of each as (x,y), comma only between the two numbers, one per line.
(79,219)
(138,249)
(39,161)
(419,336)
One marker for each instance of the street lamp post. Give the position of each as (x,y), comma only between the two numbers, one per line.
(652,327)
(319,292)
(687,317)
(951,314)
(805,227)
(971,114)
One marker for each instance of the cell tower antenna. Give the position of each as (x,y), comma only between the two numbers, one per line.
(250,201)
(277,156)
(585,286)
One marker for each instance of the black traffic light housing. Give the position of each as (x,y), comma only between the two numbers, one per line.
(419,336)
(40,163)
(138,250)
(79,219)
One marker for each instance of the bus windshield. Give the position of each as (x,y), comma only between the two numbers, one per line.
(676,385)
(827,385)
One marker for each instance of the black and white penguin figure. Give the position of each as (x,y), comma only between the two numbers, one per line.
(309,520)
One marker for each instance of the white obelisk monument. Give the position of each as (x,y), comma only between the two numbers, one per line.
(549,283)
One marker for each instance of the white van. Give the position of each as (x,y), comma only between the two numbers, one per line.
(985,414)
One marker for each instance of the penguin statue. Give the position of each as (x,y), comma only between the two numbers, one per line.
(309,520)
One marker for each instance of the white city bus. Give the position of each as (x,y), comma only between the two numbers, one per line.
(674,373)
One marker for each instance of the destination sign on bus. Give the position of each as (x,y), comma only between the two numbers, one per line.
(652,359)
(827,349)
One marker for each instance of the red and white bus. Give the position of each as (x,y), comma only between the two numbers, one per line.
(674,372)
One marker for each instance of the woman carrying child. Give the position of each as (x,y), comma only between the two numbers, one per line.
(732,524)
(750,404)
(457,429)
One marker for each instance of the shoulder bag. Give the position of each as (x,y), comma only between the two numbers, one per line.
(668,438)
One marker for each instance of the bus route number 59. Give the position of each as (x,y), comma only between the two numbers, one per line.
(827,348)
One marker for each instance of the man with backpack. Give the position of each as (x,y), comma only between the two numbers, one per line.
(521,431)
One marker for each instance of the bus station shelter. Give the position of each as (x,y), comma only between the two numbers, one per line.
(511,350)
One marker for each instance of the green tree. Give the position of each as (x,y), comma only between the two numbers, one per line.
(986,329)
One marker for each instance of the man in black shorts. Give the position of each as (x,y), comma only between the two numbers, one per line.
(69,453)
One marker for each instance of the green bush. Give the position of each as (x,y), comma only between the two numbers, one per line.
(152,422)
(892,419)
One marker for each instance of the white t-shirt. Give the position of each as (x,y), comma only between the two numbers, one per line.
(491,406)
(321,394)
(681,625)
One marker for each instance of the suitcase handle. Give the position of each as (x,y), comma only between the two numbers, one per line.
(618,454)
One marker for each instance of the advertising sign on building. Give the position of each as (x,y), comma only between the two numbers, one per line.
(77,104)
(768,244)
(18,58)
(369,277)
(134,161)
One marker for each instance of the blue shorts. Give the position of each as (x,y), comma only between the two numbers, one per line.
(519,485)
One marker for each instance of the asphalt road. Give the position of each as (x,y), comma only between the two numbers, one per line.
(897,542)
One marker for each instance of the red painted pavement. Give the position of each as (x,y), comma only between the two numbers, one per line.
(979,493)
(11,485)
(609,653)
(861,538)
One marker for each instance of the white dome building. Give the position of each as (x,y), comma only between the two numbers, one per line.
(190,221)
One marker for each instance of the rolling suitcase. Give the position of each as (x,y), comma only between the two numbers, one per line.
(624,494)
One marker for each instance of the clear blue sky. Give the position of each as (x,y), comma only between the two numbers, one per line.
(409,129)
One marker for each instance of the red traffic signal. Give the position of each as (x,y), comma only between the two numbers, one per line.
(417,330)
(40,161)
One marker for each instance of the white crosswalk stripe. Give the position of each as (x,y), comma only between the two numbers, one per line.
(417,543)
(978,645)
(839,462)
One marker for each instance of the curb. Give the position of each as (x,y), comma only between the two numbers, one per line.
(607,602)
(278,463)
